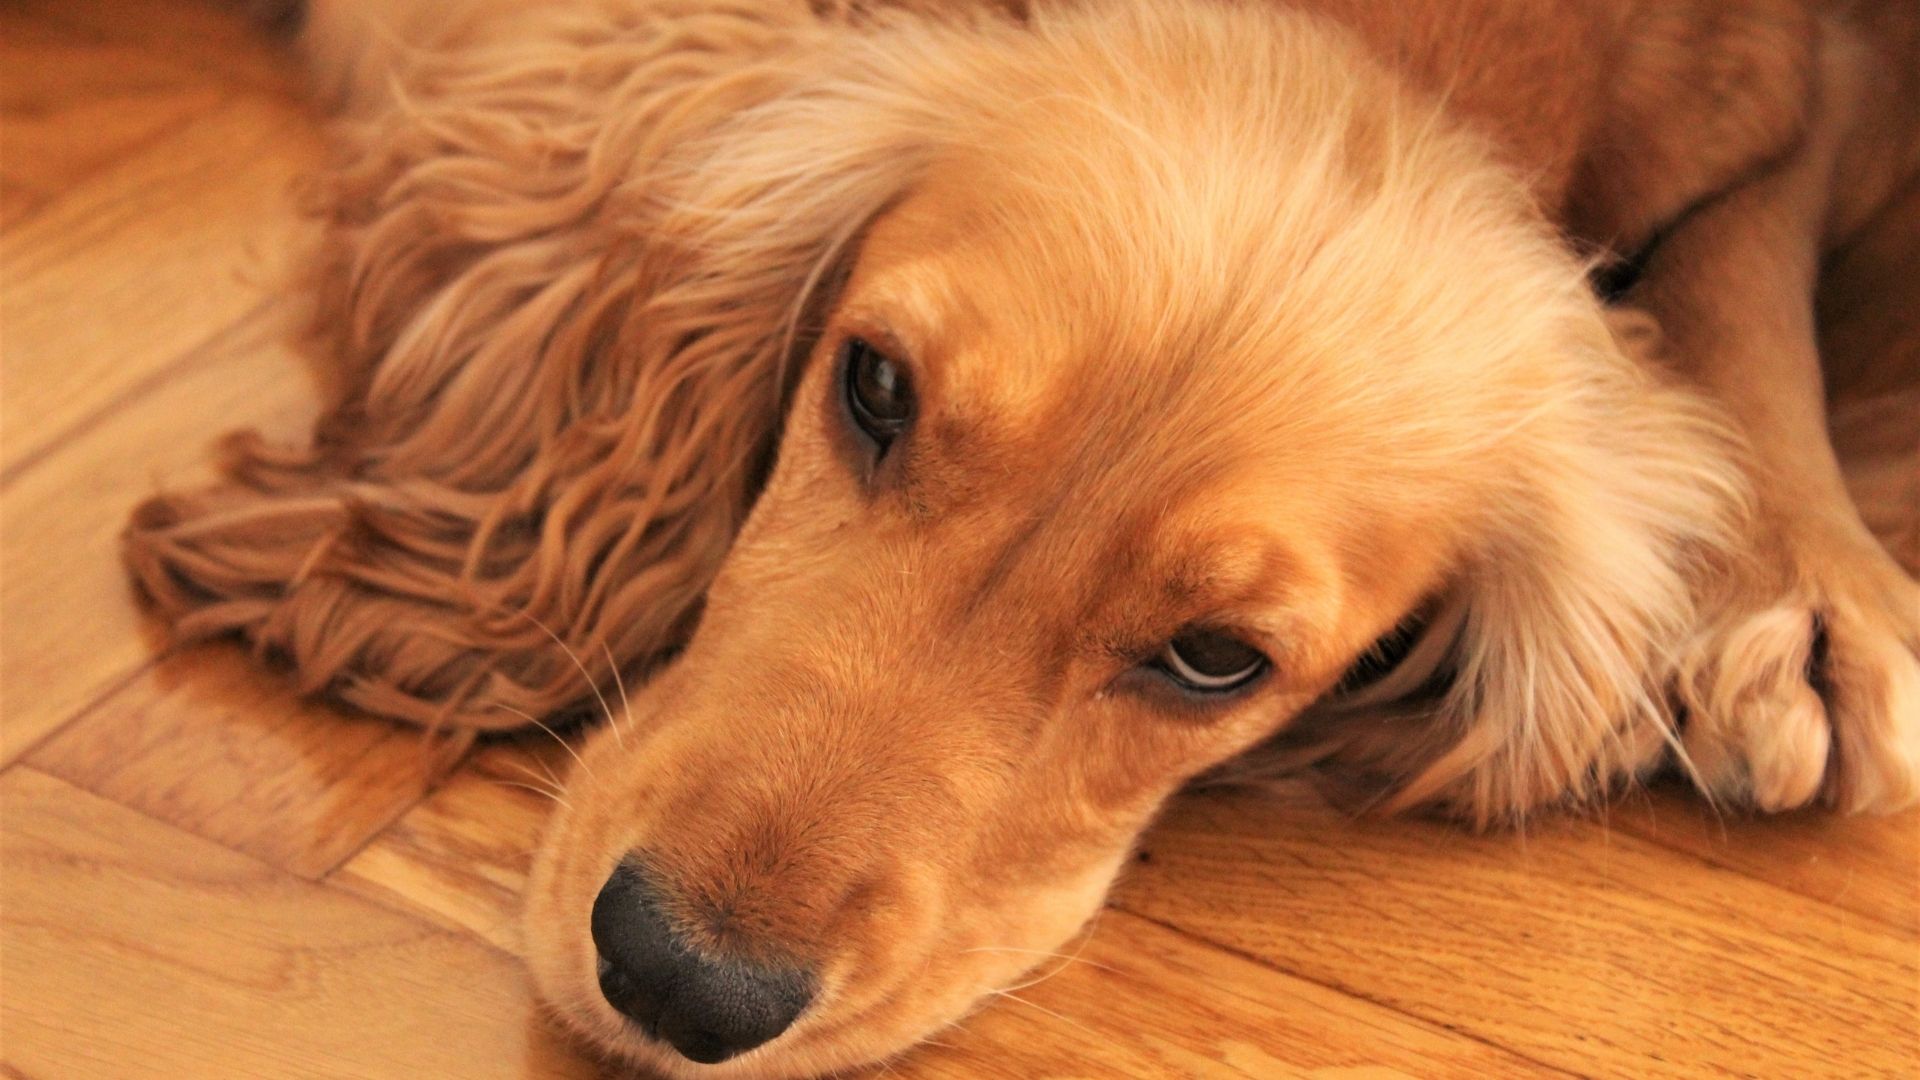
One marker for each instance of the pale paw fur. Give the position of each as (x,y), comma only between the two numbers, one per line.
(1814,691)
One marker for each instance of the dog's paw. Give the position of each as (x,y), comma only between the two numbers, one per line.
(1812,693)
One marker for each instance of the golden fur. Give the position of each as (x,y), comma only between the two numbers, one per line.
(1243,315)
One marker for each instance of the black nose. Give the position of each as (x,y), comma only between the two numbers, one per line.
(705,1006)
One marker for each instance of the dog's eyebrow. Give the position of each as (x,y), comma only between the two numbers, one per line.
(1245,560)
(1187,579)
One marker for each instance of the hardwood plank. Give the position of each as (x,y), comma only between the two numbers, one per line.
(18,201)
(1867,865)
(209,742)
(1140,1000)
(461,857)
(120,276)
(1577,946)
(214,37)
(1144,1000)
(58,80)
(135,950)
(65,512)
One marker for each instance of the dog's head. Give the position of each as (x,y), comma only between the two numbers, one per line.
(1154,367)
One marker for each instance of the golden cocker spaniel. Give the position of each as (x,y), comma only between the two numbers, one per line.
(973,421)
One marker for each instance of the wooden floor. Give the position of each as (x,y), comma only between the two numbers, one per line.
(206,877)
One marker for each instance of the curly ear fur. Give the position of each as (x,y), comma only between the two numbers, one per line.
(562,277)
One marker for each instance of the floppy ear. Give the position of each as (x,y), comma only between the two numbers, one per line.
(1543,673)
(561,284)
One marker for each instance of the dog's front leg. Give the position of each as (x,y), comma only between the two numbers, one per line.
(1805,681)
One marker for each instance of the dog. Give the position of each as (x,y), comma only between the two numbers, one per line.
(966,424)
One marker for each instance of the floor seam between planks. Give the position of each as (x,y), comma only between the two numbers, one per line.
(432,787)
(1348,992)
(202,351)
(1696,858)
(410,915)
(106,693)
(45,200)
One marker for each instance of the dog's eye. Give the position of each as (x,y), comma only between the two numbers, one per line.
(1210,662)
(879,395)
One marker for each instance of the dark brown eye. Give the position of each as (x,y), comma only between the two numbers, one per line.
(879,395)
(1210,662)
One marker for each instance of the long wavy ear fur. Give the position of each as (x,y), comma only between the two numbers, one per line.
(562,278)
(1543,673)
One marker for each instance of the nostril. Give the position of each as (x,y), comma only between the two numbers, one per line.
(626,995)
(708,1007)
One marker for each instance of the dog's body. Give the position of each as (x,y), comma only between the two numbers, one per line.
(1136,367)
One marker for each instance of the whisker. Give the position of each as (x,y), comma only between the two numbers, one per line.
(1075,958)
(1030,983)
(1034,1005)
(573,656)
(564,745)
(536,790)
(556,787)
(558,784)
(620,682)
(1086,938)
(956,1024)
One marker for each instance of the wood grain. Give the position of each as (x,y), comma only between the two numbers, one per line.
(177,243)
(213,744)
(65,79)
(1866,865)
(17,199)
(1144,1000)
(1582,947)
(216,38)
(460,857)
(1136,999)
(63,521)
(134,950)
